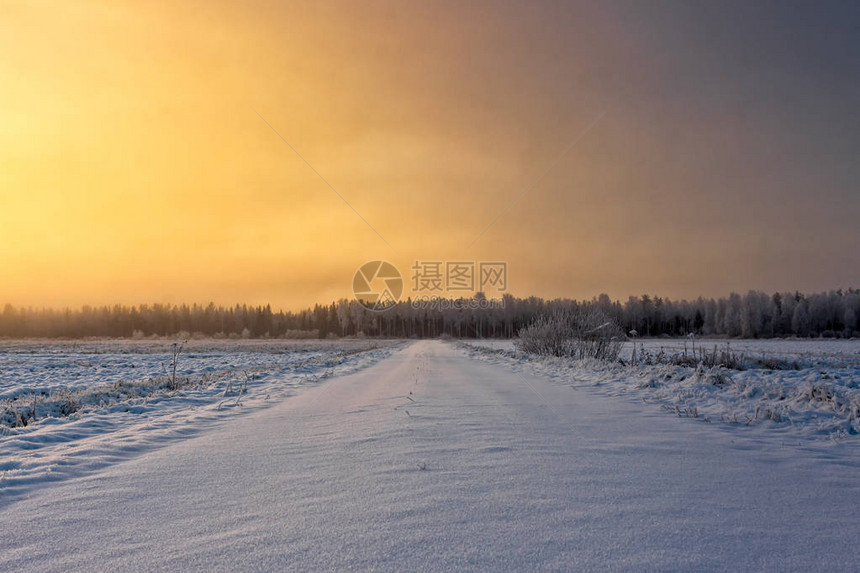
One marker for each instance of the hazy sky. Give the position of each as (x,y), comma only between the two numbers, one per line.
(134,167)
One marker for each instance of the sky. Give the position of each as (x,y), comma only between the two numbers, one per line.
(260,152)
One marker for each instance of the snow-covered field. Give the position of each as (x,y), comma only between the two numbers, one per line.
(816,396)
(98,402)
(441,457)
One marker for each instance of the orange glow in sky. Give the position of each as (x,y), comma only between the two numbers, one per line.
(134,166)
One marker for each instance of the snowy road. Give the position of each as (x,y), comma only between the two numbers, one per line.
(434,461)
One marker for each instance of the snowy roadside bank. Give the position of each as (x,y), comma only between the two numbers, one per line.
(820,401)
(101,402)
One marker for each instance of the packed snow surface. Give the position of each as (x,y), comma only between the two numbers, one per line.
(102,401)
(443,457)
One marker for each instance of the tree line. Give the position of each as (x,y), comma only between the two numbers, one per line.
(754,315)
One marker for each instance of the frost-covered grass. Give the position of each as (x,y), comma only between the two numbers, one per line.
(820,397)
(807,352)
(66,407)
(720,356)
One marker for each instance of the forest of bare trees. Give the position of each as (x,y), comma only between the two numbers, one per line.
(832,314)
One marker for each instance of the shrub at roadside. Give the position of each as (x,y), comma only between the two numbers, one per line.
(572,334)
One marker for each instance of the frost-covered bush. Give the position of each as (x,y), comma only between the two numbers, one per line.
(572,333)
